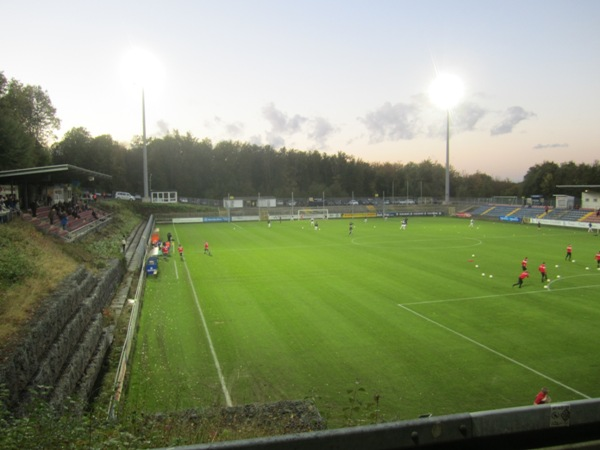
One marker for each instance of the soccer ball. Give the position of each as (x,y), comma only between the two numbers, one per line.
(483,274)
(476,266)
(473,256)
(545,286)
(557,276)
(556,266)
(491,276)
(573,261)
(587,268)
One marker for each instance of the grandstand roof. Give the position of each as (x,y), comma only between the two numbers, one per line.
(64,173)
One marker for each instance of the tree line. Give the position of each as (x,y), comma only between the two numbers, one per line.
(198,168)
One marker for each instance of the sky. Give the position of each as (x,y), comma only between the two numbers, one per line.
(333,76)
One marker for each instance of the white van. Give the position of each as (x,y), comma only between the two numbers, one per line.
(124,196)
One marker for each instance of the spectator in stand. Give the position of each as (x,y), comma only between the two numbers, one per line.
(33,206)
(4,211)
(64,220)
(51,215)
(94,215)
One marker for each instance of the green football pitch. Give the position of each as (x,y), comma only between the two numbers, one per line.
(425,320)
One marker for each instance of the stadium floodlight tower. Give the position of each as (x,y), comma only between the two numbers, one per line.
(142,68)
(446,91)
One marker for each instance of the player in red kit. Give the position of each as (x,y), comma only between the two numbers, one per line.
(598,259)
(524,264)
(523,275)
(542,270)
(569,252)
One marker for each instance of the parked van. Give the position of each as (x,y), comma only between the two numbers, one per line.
(124,196)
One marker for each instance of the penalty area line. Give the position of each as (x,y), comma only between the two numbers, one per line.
(495,352)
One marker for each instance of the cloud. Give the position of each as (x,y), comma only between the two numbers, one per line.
(512,117)
(466,116)
(543,146)
(280,122)
(282,126)
(321,130)
(163,127)
(275,140)
(234,129)
(392,122)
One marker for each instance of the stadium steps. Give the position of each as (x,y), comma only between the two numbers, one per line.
(588,217)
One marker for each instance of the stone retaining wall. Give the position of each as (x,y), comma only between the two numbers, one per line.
(65,336)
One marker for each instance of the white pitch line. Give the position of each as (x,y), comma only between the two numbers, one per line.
(176,271)
(528,292)
(208,338)
(495,352)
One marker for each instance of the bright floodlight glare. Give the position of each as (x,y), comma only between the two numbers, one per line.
(142,68)
(446,91)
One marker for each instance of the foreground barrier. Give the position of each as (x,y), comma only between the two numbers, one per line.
(525,427)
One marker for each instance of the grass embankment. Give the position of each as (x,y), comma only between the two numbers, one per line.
(32,264)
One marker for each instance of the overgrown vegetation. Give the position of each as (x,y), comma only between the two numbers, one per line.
(31,266)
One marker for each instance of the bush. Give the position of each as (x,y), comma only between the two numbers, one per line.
(14,265)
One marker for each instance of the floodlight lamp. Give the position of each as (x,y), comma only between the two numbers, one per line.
(446,91)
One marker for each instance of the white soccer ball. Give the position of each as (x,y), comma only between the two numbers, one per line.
(556,266)
(573,261)
(545,286)
(477,266)
(557,276)
(483,274)
(491,276)
(473,256)
(587,268)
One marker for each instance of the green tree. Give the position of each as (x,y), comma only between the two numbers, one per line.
(22,144)
(33,109)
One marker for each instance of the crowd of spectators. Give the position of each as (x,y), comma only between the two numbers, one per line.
(71,210)
(59,213)
(9,206)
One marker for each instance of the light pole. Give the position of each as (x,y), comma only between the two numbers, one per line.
(141,68)
(446,91)
(145,152)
